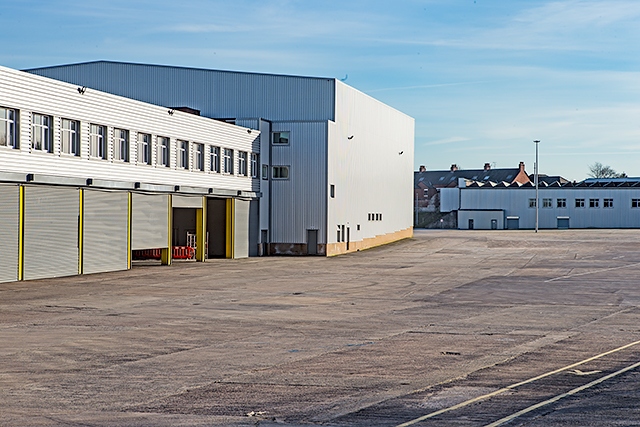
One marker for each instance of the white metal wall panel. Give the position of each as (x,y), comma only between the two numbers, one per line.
(105,231)
(370,163)
(9,217)
(186,201)
(50,232)
(241,231)
(149,221)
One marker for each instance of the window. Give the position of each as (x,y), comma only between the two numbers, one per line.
(280,172)
(163,151)
(98,142)
(8,135)
(265,171)
(41,138)
(579,203)
(280,137)
(70,137)
(214,155)
(228,161)
(635,203)
(199,157)
(607,203)
(338,236)
(532,203)
(332,191)
(547,203)
(121,144)
(594,203)
(144,148)
(255,161)
(183,154)
(242,163)
(561,203)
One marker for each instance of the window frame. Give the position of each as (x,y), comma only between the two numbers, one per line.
(547,203)
(198,153)
(121,141)
(10,127)
(42,133)
(276,172)
(183,154)
(144,146)
(255,161)
(533,202)
(242,163)
(214,159)
(98,142)
(70,134)
(594,203)
(164,153)
(579,203)
(607,203)
(278,140)
(561,203)
(635,203)
(227,161)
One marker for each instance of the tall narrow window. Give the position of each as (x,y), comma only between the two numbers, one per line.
(228,161)
(41,133)
(144,148)
(8,136)
(98,141)
(70,136)
(214,157)
(121,144)
(183,154)
(242,163)
(255,161)
(163,151)
(199,152)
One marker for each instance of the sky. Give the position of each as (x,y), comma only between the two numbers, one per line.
(482,78)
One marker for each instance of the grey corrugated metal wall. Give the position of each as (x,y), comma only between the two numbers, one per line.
(218,94)
(105,231)
(149,221)
(9,217)
(50,232)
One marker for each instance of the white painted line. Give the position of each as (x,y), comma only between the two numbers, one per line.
(591,272)
(512,386)
(561,396)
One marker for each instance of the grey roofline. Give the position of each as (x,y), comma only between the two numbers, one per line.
(177,67)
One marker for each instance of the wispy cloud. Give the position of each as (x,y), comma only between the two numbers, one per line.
(425,86)
(446,141)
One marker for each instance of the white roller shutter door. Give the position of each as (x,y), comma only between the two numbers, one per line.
(105,231)
(150,221)
(9,226)
(241,232)
(50,232)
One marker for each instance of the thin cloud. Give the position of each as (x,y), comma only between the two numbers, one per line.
(446,141)
(425,86)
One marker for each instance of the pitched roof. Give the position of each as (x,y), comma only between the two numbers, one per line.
(447,177)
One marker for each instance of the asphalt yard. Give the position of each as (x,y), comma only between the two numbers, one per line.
(459,328)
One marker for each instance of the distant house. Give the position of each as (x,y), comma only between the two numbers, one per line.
(427,184)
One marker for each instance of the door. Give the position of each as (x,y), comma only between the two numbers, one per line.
(563,223)
(312,242)
(494,224)
(470,224)
(149,221)
(9,217)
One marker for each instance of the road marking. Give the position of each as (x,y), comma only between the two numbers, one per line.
(512,386)
(591,272)
(561,396)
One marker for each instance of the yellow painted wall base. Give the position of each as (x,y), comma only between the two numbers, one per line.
(341,248)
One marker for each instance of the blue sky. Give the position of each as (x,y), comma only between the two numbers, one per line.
(482,78)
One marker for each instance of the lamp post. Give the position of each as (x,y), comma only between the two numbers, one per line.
(536,181)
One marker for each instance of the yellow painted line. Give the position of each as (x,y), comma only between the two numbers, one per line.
(561,396)
(129,219)
(512,386)
(21,213)
(81,232)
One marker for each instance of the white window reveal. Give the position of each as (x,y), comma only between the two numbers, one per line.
(144,148)
(98,141)
(255,161)
(121,144)
(199,153)
(70,137)
(41,133)
(8,136)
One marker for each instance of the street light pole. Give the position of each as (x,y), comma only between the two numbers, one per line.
(536,181)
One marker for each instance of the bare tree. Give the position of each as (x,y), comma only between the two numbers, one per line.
(598,170)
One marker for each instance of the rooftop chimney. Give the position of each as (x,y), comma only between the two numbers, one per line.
(487,166)
(423,168)
(521,166)
(454,167)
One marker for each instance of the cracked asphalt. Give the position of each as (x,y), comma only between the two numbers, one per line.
(376,338)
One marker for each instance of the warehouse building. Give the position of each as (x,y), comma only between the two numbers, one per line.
(89,179)
(336,166)
(604,203)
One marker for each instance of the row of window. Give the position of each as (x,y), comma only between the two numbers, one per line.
(375,217)
(580,203)
(221,159)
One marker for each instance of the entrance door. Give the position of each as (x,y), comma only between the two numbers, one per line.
(494,224)
(470,224)
(312,242)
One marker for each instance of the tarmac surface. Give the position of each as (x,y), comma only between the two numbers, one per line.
(459,328)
